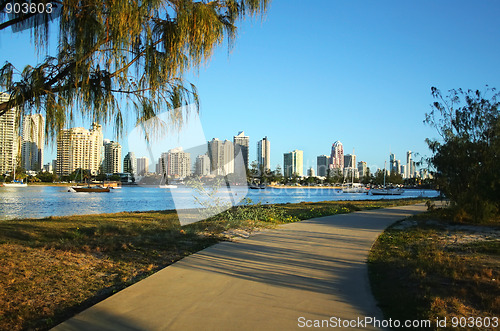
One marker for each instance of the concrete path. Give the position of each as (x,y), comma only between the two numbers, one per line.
(276,280)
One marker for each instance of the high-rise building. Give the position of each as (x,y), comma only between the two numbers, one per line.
(142,166)
(202,165)
(392,163)
(79,148)
(362,168)
(112,158)
(408,173)
(413,169)
(241,145)
(33,142)
(322,163)
(130,163)
(397,168)
(178,163)
(221,156)
(293,163)
(337,156)
(9,138)
(264,154)
(350,169)
(349,161)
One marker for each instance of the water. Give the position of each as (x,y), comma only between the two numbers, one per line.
(44,201)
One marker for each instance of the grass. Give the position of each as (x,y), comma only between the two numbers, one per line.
(54,267)
(428,267)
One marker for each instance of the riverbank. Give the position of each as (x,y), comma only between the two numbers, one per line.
(55,267)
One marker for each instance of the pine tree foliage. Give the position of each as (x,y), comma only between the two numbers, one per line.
(467,156)
(111,53)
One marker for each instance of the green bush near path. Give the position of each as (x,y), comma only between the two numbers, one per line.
(54,267)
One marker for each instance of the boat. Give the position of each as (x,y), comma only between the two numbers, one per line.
(354,188)
(386,190)
(89,188)
(167,186)
(254,186)
(15,183)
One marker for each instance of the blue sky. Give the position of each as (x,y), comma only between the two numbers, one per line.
(313,72)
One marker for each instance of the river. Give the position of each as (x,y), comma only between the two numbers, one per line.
(44,201)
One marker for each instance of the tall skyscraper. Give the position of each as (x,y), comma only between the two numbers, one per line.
(337,156)
(142,166)
(79,148)
(130,163)
(293,163)
(221,156)
(33,142)
(202,165)
(392,163)
(241,145)
(9,138)
(322,163)
(264,154)
(408,165)
(112,158)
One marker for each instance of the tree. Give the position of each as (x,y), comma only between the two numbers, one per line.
(466,157)
(46,177)
(111,53)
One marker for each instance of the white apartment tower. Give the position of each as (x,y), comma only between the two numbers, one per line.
(264,154)
(221,156)
(178,163)
(9,138)
(79,148)
(32,142)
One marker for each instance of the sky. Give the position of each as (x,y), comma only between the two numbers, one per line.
(313,72)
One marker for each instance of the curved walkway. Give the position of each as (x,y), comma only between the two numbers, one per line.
(276,280)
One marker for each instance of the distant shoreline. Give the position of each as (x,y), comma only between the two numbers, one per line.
(308,187)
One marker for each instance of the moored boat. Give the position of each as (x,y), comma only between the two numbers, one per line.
(15,184)
(89,188)
(386,191)
(354,188)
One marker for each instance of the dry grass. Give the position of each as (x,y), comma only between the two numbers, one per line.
(52,268)
(435,269)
